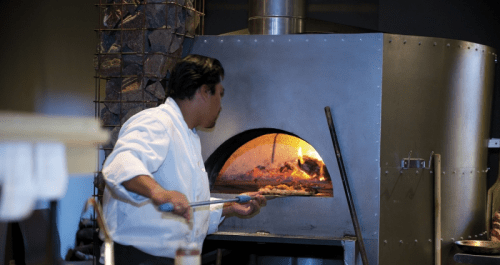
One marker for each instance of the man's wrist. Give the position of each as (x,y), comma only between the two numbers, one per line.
(227,209)
(156,194)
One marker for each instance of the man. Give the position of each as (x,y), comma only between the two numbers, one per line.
(156,160)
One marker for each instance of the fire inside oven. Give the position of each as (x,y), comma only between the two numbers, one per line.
(275,163)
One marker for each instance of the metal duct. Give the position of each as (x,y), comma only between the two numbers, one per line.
(276,17)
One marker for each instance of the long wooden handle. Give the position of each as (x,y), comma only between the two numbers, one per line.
(437,208)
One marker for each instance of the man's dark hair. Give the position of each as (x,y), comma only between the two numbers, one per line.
(191,73)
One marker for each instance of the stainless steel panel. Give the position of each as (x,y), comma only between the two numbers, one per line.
(436,97)
(284,82)
(432,95)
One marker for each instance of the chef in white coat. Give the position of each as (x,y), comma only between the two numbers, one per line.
(156,160)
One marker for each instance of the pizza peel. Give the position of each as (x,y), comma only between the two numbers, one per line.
(169,207)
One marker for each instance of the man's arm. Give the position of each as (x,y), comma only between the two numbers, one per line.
(146,186)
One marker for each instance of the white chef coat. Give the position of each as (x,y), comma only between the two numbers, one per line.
(157,142)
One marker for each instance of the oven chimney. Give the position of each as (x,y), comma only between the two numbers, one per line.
(276,17)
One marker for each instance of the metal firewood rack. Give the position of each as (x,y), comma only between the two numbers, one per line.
(138,43)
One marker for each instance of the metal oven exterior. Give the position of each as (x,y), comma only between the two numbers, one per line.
(392,96)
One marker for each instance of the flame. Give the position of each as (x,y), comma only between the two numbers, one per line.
(301,158)
(293,161)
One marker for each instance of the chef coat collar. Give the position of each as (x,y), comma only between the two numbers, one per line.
(171,102)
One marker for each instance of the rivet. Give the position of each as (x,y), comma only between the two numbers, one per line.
(430,240)
(416,241)
(454,172)
(361,39)
(376,160)
(255,40)
(289,40)
(435,43)
(468,48)
(386,172)
(385,241)
(239,40)
(476,49)
(441,239)
(461,237)
(324,39)
(470,237)
(272,40)
(444,172)
(404,42)
(431,172)
(390,41)
(400,241)
(417,172)
(475,236)
(452,239)
(342,39)
(307,40)
(221,41)
(448,45)
(205,41)
(420,43)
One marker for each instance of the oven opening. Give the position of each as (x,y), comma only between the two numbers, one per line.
(273,161)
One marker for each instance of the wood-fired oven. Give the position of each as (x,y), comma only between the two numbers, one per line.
(395,101)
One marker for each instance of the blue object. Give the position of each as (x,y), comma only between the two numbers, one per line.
(166,207)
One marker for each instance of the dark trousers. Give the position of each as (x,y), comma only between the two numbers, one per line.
(128,255)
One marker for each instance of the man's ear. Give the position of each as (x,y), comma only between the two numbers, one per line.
(204,92)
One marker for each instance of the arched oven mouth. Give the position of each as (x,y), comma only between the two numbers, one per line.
(270,160)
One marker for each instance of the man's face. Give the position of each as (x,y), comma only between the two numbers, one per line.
(214,107)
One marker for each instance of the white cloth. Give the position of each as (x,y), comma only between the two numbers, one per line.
(30,172)
(157,142)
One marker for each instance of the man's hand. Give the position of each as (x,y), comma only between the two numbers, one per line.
(179,200)
(247,209)
(148,187)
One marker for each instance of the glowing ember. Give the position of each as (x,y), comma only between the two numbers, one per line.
(274,162)
(304,168)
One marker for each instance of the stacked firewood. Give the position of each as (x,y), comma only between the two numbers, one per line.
(139,43)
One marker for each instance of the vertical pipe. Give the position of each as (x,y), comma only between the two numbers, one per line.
(276,17)
(437,208)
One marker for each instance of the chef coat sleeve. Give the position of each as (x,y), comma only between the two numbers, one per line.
(215,216)
(141,148)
